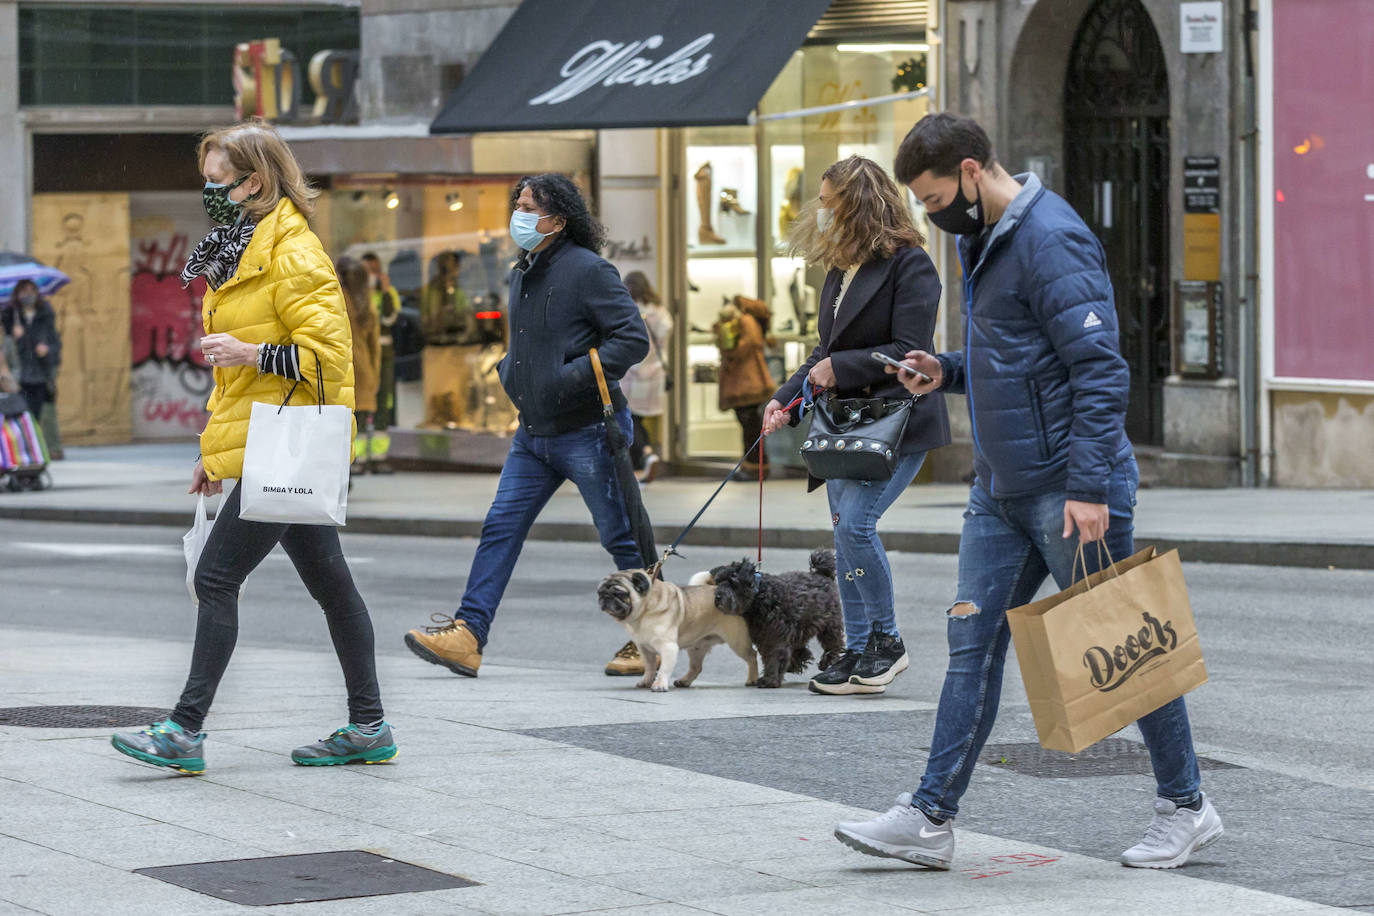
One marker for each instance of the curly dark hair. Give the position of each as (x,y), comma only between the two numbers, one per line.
(556,195)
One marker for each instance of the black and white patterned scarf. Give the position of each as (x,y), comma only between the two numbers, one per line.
(218,254)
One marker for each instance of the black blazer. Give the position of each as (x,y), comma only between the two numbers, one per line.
(890,308)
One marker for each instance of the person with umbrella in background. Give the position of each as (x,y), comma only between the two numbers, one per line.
(565,300)
(34,327)
(37,282)
(16,268)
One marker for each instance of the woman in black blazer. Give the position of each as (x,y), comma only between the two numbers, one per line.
(881,294)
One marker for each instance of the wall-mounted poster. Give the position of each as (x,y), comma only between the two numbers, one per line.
(1322,191)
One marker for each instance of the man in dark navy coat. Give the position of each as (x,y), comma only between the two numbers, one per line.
(1047,388)
(564,300)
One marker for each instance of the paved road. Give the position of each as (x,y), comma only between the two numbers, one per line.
(1288,706)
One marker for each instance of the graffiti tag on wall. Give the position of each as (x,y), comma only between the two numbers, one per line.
(171,380)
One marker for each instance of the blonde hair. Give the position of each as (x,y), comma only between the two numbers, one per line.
(254,146)
(870,218)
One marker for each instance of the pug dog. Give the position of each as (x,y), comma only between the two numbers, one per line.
(662,618)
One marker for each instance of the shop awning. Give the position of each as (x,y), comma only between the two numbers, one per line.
(577,64)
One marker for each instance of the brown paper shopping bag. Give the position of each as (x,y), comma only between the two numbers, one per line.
(1107,650)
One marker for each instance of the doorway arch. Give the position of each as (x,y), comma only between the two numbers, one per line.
(1116,171)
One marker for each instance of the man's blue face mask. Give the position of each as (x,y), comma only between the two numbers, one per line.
(524,230)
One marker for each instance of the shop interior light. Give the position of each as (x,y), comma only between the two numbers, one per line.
(393,200)
(454,201)
(882,48)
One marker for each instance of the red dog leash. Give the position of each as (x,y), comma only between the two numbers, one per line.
(763,436)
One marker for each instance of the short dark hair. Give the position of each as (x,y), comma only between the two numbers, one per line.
(938,143)
(371,256)
(556,195)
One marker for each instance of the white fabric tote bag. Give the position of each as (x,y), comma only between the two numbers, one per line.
(295,465)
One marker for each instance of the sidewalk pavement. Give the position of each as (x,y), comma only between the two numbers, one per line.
(146,485)
(543,827)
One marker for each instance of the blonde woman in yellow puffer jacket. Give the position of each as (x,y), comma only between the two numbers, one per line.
(274,314)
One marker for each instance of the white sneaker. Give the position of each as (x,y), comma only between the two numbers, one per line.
(1174,835)
(902,833)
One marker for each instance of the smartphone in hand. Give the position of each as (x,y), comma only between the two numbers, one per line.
(884,358)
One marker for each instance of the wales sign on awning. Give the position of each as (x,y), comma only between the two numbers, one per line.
(580,64)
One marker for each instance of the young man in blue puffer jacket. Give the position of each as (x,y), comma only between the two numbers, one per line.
(1047,389)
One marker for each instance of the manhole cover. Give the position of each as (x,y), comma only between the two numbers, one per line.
(304,878)
(1111,757)
(79,716)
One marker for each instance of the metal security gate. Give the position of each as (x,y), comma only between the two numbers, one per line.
(1116,154)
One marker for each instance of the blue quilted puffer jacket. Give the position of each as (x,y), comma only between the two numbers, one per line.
(1041,363)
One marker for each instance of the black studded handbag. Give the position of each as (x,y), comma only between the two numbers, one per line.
(855,438)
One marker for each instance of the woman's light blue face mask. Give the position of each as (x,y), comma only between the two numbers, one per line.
(524,230)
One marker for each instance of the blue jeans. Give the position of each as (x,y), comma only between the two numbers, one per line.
(860,561)
(1007,549)
(535,467)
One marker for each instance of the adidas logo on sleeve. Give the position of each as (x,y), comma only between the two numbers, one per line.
(1092,321)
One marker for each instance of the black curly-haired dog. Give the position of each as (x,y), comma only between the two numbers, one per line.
(785,612)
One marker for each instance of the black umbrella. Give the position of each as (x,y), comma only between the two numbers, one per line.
(640,524)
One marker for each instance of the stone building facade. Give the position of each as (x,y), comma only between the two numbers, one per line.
(1099,98)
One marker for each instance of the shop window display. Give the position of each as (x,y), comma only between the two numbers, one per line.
(722,265)
(743,186)
(445,255)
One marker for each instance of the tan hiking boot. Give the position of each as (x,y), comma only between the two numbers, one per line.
(626,663)
(449,643)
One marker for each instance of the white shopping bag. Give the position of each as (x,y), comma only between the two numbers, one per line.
(295,465)
(192,543)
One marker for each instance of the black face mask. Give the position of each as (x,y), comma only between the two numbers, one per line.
(962,216)
(218,206)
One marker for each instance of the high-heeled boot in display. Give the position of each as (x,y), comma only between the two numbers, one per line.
(706,235)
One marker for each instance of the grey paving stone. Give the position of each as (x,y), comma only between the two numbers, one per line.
(75,890)
(31,813)
(689,884)
(151,845)
(803,902)
(551,896)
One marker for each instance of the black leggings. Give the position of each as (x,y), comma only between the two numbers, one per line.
(234,549)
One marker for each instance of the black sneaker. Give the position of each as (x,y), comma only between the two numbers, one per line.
(883,659)
(835,680)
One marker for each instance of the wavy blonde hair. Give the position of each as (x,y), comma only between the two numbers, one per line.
(254,146)
(870,218)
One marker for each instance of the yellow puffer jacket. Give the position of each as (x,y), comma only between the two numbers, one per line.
(284,292)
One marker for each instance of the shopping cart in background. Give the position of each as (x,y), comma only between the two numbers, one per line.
(23,453)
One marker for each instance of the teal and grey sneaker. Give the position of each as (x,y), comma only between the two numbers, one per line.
(348,745)
(164,744)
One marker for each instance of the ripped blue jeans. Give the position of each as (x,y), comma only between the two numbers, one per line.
(1007,549)
(535,467)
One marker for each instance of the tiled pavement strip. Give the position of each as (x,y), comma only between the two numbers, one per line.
(544,827)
